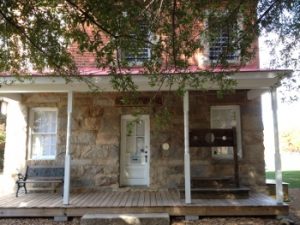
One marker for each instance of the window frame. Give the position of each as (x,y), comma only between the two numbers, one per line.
(238,127)
(218,44)
(204,39)
(31,133)
(136,61)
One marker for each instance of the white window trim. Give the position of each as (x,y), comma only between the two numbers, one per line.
(30,132)
(238,130)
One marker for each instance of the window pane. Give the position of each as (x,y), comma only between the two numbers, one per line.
(140,50)
(140,144)
(43,138)
(140,128)
(130,144)
(44,121)
(221,43)
(43,145)
(224,118)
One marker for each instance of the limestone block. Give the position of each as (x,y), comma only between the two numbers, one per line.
(252,123)
(111,169)
(107,138)
(82,101)
(114,151)
(101,180)
(104,101)
(96,111)
(91,123)
(125,219)
(250,137)
(82,182)
(80,112)
(101,152)
(80,151)
(76,124)
(84,137)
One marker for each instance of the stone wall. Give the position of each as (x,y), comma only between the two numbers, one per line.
(95,142)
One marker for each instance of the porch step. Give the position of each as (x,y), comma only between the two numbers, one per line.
(125,219)
(218,193)
(211,182)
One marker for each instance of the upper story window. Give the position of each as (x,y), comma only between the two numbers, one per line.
(218,48)
(223,40)
(43,133)
(226,117)
(139,50)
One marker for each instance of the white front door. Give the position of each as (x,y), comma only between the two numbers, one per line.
(135,150)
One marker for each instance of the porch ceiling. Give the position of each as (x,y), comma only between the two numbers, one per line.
(250,80)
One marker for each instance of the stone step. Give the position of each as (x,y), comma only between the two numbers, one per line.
(125,219)
(218,193)
(212,182)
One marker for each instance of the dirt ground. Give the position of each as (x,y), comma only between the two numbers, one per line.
(294,216)
(294,205)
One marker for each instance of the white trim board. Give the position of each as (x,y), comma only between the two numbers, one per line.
(245,80)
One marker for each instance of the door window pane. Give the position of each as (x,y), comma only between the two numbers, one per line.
(226,117)
(140,128)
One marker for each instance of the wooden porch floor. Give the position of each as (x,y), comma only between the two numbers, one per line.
(49,204)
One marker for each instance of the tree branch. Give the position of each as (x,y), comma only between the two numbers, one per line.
(23,33)
(90,18)
(174,32)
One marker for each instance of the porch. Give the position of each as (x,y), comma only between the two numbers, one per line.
(135,201)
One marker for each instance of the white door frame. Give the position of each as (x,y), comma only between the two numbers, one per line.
(146,118)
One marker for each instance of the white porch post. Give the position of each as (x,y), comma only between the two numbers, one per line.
(187,163)
(278,172)
(68,146)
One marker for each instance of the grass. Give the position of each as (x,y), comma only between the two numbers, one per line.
(291,177)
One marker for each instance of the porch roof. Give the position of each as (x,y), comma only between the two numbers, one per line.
(246,79)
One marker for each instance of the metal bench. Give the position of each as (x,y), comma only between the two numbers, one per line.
(40,174)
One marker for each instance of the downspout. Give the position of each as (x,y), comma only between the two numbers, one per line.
(67,176)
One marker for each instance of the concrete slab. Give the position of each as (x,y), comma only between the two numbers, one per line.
(126,219)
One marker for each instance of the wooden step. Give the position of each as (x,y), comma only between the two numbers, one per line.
(218,193)
(212,182)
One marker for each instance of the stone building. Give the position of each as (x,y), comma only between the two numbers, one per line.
(115,145)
